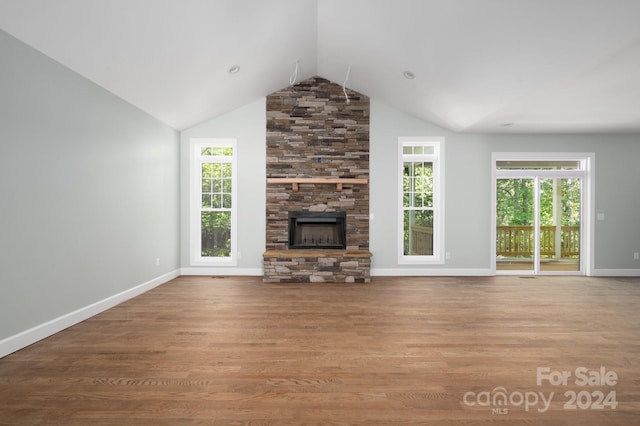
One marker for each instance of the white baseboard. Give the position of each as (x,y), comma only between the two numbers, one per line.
(221,271)
(25,338)
(430,272)
(616,273)
(435,272)
(407,272)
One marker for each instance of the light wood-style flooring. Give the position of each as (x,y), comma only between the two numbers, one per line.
(397,351)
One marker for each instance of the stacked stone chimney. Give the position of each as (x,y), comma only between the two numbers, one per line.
(313,132)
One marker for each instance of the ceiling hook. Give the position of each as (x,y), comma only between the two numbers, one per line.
(344,85)
(294,76)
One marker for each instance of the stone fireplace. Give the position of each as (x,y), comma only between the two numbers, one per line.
(318,177)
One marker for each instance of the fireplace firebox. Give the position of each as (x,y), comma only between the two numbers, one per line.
(317,230)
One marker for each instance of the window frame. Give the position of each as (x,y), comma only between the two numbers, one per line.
(437,158)
(197,159)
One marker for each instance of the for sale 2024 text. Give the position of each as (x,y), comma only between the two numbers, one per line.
(582,376)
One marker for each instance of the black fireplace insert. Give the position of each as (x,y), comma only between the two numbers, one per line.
(317,230)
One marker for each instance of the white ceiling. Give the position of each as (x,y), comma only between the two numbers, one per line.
(540,65)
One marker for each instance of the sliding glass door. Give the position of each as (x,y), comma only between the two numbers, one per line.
(538,216)
(515,235)
(560,207)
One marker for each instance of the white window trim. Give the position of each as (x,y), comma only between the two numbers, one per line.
(438,201)
(586,173)
(195,190)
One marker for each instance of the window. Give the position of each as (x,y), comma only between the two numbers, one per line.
(213,201)
(421,200)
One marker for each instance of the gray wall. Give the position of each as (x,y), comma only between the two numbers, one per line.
(467,189)
(88,192)
(248,126)
(468,234)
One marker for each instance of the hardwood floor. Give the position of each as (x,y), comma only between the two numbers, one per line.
(397,351)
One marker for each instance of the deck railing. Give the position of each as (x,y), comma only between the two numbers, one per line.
(421,240)
(514,241)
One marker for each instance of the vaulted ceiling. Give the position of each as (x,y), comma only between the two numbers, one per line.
(478,65)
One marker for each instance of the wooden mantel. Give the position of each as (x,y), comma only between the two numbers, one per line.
(338,182)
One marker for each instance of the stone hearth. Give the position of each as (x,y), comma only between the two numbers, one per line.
(349,266)
(315,135)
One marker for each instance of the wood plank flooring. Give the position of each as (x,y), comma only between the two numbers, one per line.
(397,351)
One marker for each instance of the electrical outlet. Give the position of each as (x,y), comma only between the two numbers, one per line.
(157,261)
(636,256)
